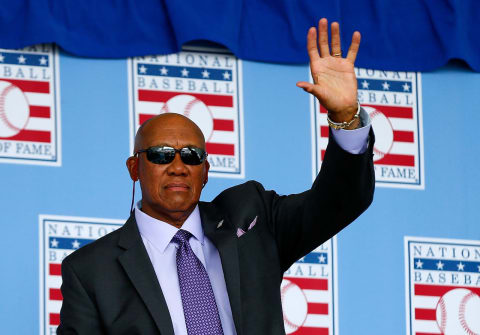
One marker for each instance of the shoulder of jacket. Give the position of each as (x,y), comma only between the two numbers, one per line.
(247,198)
(246,186)
(96,249)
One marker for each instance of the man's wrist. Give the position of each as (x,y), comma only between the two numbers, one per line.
(349,122)
(357,123)
(346,115)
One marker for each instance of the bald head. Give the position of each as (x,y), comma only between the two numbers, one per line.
(167,125)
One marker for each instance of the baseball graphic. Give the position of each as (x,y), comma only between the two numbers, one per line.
(383,133)
(294,305)
(458,312)
(194,109)
(14,109)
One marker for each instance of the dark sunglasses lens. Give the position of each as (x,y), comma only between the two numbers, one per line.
(192,156)
(160,155)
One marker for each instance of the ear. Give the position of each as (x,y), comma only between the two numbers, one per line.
(132,166)
(206,168)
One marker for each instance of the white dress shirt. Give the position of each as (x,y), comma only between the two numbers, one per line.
(157,238)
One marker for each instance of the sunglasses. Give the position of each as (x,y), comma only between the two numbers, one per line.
(166,155)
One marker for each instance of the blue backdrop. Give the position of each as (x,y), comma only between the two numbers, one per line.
(92,181)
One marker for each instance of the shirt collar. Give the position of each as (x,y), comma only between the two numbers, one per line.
(160,233)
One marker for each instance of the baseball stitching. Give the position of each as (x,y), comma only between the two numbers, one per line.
(374,113)
(378,152)
(461,313)
(189,106)
(2,108)
(287,321)
(375,150)
(165,108)
(443,315)
(188,109)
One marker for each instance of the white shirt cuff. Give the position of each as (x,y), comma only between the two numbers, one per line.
(354,141)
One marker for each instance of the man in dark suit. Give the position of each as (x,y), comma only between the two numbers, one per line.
(180,265)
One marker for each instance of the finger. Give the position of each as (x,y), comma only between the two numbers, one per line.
(336,44)
(315,90)
(306,86)
(323,38)
(312,44)
(353,50)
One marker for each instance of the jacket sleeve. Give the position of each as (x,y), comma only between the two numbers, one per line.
(78,314)
(340,193)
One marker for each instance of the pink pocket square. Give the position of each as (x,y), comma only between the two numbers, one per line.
(240,231)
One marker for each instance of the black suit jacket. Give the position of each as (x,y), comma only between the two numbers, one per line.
(110,287)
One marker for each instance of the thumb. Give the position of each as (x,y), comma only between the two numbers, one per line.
(306,86)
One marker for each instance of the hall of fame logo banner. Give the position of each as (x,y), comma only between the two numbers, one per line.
(30,106)
(204,86)
(442,286)
(59,237)
(309,293)
(393,102)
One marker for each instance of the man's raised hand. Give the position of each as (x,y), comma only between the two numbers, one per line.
(334,80)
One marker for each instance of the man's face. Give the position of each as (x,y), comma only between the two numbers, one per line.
(171,191)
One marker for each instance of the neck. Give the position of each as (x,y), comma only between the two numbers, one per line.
(175,219)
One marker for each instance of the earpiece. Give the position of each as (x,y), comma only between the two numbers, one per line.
(136,168)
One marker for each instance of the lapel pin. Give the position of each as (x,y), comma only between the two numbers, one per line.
(219,224)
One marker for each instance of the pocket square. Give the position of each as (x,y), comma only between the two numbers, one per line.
(240,231)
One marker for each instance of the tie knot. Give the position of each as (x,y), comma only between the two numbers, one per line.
(181,236)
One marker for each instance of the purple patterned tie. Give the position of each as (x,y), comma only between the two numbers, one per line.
(199,307)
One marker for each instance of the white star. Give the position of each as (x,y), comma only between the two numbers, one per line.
(226,75)
(163,71)
(386,86)
(365,84)
(205,74)
(184,72)
(419,264)
(43,61)
(75,244)
(321,258)
(440,265)
(406,87)
(460,266)
(21,59)
(54,243)
(302,259)
(143,69)
(2,57)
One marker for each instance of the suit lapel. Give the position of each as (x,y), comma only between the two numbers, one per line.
(137,265)
(224,238)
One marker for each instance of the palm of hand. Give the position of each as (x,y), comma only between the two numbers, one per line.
(335,83)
